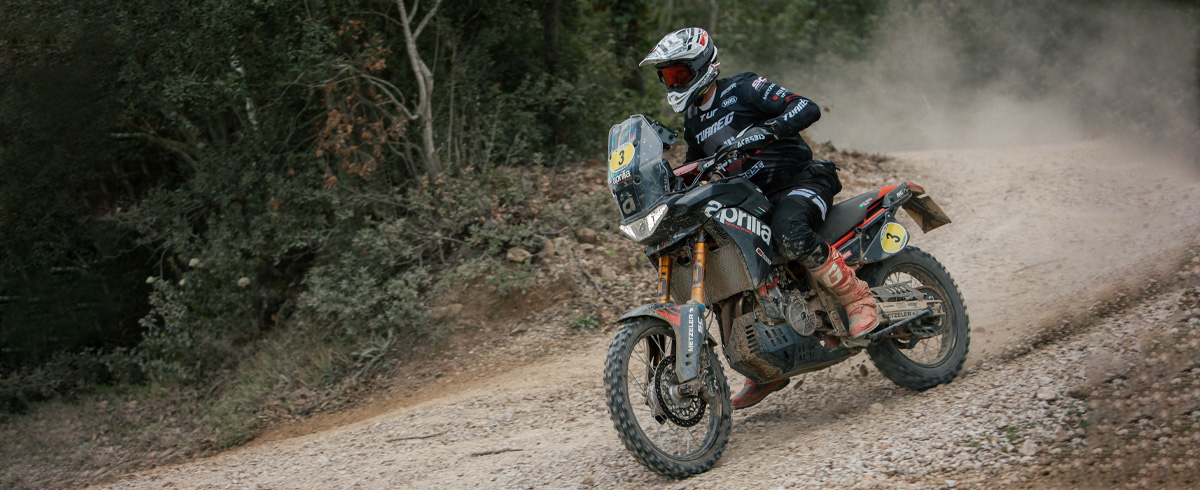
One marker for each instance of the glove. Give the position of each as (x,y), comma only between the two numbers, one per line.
(775,125)
(753,138)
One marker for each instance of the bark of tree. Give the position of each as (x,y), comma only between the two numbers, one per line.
(714,15)
(424,109)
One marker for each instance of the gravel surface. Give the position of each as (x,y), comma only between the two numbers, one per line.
(1029,255)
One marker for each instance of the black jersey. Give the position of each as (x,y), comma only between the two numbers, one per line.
(746,100)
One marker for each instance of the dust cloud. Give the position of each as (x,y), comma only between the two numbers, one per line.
(946,74)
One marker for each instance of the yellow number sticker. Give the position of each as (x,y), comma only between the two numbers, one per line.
(620,157)
(894,238)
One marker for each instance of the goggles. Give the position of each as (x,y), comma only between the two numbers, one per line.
(677,76)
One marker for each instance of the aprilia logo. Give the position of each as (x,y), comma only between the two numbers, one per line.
(737,218)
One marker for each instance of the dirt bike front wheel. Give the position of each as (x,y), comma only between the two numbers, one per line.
(672,434)
(922,363)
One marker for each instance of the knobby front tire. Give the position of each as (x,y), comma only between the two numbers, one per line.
(690,439)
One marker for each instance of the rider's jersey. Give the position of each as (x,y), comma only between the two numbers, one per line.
(746,100)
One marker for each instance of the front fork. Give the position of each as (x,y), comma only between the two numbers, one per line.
(690,327)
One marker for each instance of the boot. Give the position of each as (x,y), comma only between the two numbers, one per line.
(852,292)
(752,393)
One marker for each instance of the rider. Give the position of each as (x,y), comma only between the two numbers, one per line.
(745,111)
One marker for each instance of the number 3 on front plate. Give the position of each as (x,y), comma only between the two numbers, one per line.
(620,157)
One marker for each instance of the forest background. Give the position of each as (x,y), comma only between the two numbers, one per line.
(200,199)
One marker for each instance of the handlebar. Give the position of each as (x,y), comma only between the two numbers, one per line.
(725,157)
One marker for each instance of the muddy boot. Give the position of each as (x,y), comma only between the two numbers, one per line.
(852,292)
(752,393)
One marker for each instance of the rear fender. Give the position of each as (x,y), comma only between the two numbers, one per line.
(880,236)
(688,322)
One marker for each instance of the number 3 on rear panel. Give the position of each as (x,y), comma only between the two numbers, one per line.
(894,238)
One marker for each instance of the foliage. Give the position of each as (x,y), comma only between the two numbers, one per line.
(588,321)
(251,166)
(768,33)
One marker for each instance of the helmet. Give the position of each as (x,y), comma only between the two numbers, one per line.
(687,63)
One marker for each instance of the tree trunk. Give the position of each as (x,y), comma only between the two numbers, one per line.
(424,111)
(550,20)
(714,15)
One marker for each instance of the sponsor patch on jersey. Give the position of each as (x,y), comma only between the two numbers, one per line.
(758,82)
(752,171)
(767,92)
(727,89)
(716,126)
(728,102)
(799,107)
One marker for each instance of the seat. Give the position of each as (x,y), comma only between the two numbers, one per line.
(845,215)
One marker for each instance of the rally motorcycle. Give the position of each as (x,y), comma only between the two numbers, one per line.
(666,388)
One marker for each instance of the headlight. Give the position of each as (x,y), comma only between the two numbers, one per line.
(642,228)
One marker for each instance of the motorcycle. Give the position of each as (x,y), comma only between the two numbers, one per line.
(666,389)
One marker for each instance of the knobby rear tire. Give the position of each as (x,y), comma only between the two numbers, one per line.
(625,406)
(954,341)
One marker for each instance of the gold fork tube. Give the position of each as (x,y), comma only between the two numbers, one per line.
(664,279)
(700,259)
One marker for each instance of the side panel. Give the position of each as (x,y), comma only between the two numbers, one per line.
(750,234)
(887,238)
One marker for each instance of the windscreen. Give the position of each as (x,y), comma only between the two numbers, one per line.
(637,174)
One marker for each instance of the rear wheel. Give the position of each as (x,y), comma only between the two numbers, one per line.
(673,434)
(922,362)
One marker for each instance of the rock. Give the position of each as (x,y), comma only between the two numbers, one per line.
(548,246)
(951,483)
(562,245)
(1028,448)
(1104,366)
(607,273)
(519,255)
(586,235)
(1047,394)
(876,408)
(1080,392)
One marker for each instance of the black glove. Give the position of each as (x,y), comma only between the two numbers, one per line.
(753,138)
(775,125)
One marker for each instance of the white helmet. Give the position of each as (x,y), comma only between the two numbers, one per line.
(687,63)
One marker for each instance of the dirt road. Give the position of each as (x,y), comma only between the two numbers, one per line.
(1039,234)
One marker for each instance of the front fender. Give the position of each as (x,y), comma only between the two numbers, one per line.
(688,322)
